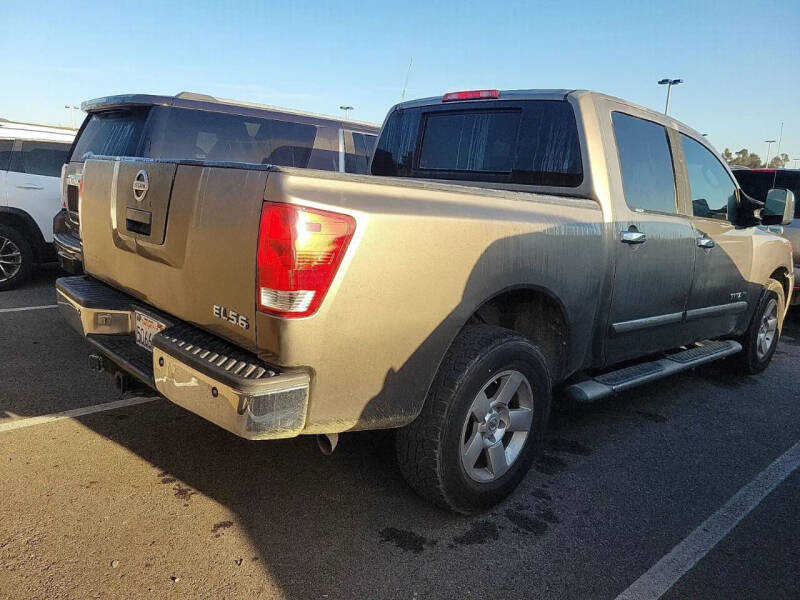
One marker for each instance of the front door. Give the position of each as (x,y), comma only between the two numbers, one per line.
(654,256)
(720,293)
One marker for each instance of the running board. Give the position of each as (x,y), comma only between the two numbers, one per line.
(611,382)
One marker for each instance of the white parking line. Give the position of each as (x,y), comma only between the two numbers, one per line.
(667,571)
(70,414)
(22,308)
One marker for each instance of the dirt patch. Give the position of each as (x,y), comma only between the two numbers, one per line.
(183,493)
(221,525)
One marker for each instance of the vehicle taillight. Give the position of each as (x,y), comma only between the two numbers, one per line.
(471,95)
(299,252)
(63,186)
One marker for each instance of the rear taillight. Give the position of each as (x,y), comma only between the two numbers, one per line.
(63,186)
(471,95)
(299,252)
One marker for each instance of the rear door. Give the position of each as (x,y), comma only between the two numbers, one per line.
(34,181)
(654,244)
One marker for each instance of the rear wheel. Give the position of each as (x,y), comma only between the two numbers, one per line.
(761,338)
(482,423)
(16,258)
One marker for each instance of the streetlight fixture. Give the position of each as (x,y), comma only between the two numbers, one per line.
(346,110)
(769,143)
(72,108)
(669,83)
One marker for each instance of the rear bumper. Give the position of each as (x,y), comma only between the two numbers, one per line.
(68,248)
(198,371)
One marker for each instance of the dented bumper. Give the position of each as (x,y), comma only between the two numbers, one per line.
(194,369)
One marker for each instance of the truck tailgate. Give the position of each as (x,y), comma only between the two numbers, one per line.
(179,237)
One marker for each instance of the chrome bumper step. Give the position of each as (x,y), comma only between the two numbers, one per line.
(611,382)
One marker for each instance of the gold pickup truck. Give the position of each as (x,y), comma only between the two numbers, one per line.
(504,245)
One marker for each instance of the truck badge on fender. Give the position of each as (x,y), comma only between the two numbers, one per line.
(231,316)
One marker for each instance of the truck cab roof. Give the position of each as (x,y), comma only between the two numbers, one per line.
(197,101)
(559,94)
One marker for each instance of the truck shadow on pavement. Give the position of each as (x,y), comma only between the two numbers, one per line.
(347,525)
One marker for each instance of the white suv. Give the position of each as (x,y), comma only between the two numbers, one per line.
(31,157)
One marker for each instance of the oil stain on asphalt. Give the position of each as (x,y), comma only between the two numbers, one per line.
(479,532)
(405,540)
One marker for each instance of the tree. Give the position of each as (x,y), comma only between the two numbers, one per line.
(779,162)
(743,158)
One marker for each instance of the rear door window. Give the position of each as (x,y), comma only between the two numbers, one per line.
(5,153)
(39,158)
(111,133)
(206,135)
(648,177)
(524,142)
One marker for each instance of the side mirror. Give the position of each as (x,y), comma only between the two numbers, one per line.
(778,207)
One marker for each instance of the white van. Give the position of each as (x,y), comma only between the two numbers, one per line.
(31,157)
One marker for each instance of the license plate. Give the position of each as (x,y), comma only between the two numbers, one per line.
(146,327)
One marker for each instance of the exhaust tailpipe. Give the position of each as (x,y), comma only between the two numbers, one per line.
(126,384)
(327,442)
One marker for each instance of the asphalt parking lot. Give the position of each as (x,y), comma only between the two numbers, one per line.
(147,500)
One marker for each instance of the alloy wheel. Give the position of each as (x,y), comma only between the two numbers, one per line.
(497,426)
(10,259)
(767,330)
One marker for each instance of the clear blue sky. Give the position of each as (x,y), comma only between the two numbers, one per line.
(740,60)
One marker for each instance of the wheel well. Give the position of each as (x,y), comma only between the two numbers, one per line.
(28,228)
(533,314)
(782,276)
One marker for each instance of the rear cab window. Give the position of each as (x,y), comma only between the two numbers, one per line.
(181,133)
(530,142)
(111,133)
(205,135)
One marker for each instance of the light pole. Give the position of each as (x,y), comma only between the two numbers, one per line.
(769,143)
(71,108)
(669,83)
(346,110)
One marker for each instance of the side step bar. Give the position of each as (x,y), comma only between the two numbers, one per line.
(611,382)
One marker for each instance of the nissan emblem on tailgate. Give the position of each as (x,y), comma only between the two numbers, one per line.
(141,184)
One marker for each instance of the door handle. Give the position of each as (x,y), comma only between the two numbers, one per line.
(632,237)
(30,186)
(704,242)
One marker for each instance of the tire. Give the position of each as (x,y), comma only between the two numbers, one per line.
(758,348)
(434,451)
(16,258)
